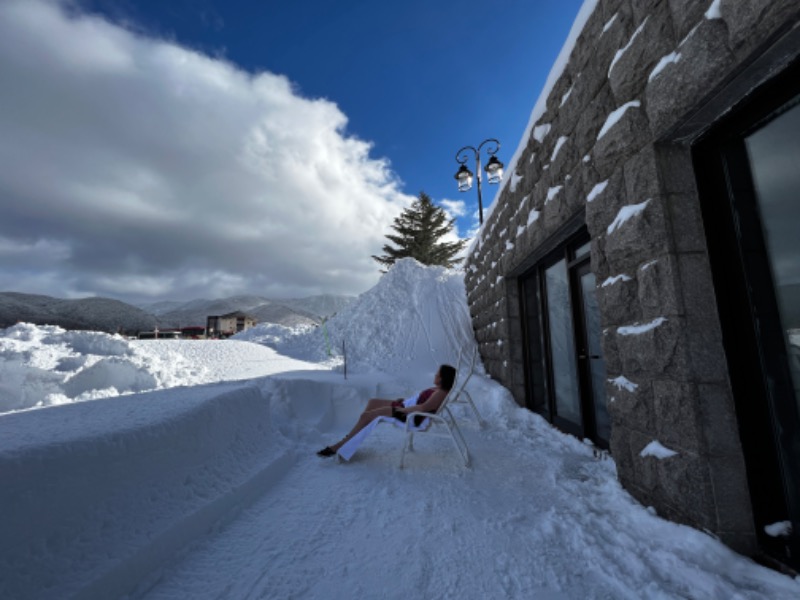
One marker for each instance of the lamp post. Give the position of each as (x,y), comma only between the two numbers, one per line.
(494,169)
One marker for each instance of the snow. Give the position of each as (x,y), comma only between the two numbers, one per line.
(714,11)
(541,131)
(643,328)
(657,450)
(552,193)
(609,23)
(559,143)
(672,57)
(779,529)
(566,96)
(620,53)
(597,190)
(533,216)
(616,115)
(623,383)
(209,487)
(515,179)
(626,213)
(615,279)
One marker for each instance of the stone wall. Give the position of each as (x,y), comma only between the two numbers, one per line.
(611,151)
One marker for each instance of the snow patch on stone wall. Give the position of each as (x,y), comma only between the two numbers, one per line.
(615,116)
(626,213)
(643,328)
(657,450)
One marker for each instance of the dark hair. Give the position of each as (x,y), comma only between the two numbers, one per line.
(447,375)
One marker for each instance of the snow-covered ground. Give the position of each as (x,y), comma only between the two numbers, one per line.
(187,469)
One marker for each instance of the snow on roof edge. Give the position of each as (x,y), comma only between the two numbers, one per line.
(556,70)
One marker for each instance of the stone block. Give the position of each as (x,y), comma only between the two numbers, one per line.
(620,447)
(718,419)
(556,212)
(645,469)
(604,207)
(685,480)
(609,8)
(635,238)
(703,330)
(624,139)
(652,39)
(618,300)
(610,354)
(731,494)
(564,160)
(599,262)
(675,169)
(655,351)
(615,36)
(685,15)
(678,422)
(641,175)
(631,408)
(641,9)
(591,119)
(659,292)
(705,60)
(686,223)
(750,23)
(698,287)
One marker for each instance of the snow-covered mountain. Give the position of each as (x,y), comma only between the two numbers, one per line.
(301,311)
(97,314)
(105,314)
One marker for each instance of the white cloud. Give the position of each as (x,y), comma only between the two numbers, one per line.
(454,208)
(153,170)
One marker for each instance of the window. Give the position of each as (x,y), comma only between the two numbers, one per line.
(565,370)
(749,184)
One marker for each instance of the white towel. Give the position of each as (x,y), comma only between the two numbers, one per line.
(350,446)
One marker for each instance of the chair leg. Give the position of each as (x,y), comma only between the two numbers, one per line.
(457,436)
(474,408)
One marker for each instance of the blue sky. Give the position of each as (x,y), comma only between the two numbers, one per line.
(415,81)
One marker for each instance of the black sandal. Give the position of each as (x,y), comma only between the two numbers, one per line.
(326,451)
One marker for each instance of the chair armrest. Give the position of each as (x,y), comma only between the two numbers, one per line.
(418,413)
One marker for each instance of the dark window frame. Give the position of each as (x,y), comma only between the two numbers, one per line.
(538,371)
(748,308)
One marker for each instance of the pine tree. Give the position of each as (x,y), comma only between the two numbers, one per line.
(419,228)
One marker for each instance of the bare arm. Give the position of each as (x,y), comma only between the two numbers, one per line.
(431,405)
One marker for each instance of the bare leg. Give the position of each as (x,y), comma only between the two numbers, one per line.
(375,408)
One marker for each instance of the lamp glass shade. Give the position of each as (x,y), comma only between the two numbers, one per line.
(464,178)
(494,170)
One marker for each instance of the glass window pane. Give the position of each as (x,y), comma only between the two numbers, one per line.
(562,342)
(583,250)
(597,365)
(774,152)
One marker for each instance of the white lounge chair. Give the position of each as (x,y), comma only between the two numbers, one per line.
(462,395)
(441,419)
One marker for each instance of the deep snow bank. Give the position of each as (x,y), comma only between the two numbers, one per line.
(122,485)
(411,321)
(42,366)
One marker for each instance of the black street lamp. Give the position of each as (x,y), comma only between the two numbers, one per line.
(494,169)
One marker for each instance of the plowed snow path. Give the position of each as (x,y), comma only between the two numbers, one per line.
(537,516)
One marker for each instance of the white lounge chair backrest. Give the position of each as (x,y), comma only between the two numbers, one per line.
(462,395)
(443,416)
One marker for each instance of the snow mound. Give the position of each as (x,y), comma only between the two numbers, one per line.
(414,319)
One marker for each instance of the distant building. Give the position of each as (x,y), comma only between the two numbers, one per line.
(227,325)
(197,332)
(637,282)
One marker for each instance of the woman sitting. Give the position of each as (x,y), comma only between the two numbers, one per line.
(428,401)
